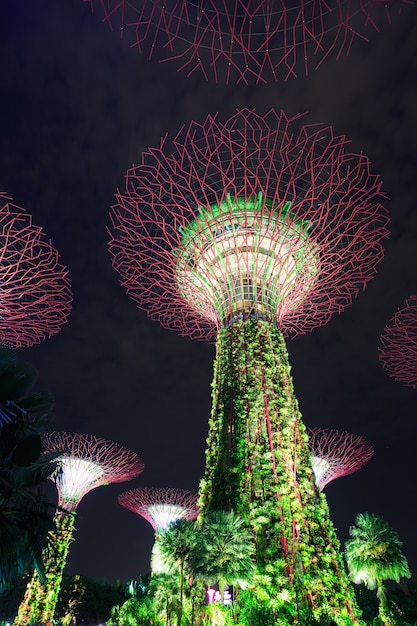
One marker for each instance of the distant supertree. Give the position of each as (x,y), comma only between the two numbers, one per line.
(398,344)
(160,507)
(247,41)
(35,290)
(245,231)
(336,453)
(86,462)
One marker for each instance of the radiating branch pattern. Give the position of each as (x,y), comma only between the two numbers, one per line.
(35,288)
(86,462)
(398,344)
(161,506)
(336,453)
(300,215)
(246,41)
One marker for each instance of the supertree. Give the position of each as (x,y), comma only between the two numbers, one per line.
(35,288)
(85,462)
(160,507)
(336,453)
(246,40)
(398,344)
(243,232)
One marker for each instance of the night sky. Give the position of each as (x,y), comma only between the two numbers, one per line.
(78,107)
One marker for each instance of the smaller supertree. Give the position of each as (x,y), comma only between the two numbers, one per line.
(336,453)
(398,344)
(160,507)
(35,290)
(85,462)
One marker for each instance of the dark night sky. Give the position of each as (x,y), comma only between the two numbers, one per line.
(77,109)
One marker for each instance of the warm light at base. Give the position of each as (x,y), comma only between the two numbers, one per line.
(166,514)
(246,256)
(76,478)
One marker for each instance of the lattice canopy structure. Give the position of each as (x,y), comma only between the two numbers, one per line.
(398,344)
(336,453)
(35,288)
(87,462)
(243,232)
(161,506)
(259,215)
(246,41)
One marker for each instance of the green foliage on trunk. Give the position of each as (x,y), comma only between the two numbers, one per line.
(40,600)
(258,465)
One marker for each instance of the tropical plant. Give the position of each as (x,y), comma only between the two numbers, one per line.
(164,591)
(374,555)
(175,545)
(25,515)
(223,552)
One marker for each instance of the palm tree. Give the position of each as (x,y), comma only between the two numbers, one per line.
(175,545)
(25,516)
(223,552)
(373,555)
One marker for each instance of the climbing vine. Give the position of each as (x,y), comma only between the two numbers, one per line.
(258,465)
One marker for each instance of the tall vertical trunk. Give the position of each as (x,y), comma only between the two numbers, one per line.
(40,600)
(258,465)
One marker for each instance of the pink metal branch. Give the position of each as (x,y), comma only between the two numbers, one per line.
(337,453)
(330,235)
(245,40)
(398,344)
(161,506)
(88,462)
(35,291)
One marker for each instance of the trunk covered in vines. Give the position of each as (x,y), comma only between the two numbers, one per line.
(40,600)
(258,465)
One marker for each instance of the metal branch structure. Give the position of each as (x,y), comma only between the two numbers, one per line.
(35,288)
(86,462)
(336,453)
(244,232)
(246,41)
(161,507)
(398,344)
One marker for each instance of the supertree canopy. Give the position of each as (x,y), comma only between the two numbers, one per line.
(246,231)
(86,462)
(398,344)
(246,40)
(160,507)
(336,453)
(35,288)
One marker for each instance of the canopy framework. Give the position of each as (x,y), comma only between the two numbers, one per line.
(35,288)
(161,507)
(245,41)
(336,453)
(246,231)
(398,344)
(86,462)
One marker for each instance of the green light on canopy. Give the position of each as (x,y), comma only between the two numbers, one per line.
(246,257)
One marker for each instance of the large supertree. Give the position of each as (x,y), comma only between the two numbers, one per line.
(398,344)
(336,453)
(246,40)
(244,232)
(35,289)
(84,463)
(160,507)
